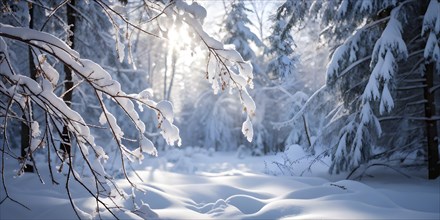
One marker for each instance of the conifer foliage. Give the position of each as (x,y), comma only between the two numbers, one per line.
(281,43)
(238,32)
(385,56)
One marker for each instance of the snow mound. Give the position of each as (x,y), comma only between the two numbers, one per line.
(226,187)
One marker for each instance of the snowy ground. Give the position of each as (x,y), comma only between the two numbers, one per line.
(194,184)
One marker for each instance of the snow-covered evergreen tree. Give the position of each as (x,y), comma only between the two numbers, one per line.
(281,44)
(238,32)
(280,88)
(379,69)
(373,69)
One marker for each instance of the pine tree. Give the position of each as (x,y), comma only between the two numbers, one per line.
(238,32)
(65,145)
(25,131)
(280,90)
(431,23)
(281,44)
(377,71)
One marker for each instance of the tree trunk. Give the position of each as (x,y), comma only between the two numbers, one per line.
(165,75)
(25,131)
(309,140)
(65,145)
(173,73)
(431,124)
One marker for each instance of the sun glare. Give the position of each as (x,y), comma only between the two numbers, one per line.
(178,37)
(180,44)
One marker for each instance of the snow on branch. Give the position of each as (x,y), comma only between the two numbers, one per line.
(387,51)
(337,66)
(431,20)
(225,69)
(431,25)
(389,48)
(225,66)
(100,80)
(94,74)
(20,88)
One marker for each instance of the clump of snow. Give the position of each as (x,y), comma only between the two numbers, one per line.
(195,9)
(247,129)
(166,109)
(432,49)
(431,23)
(105,117)
(248,103)
(387,102)
(333,66)
(147,146)
(341,149)
(342,8)
(49,72)
(431,20)
(170,133)
(35,128)
(146,94)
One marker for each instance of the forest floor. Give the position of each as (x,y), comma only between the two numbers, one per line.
(198,184)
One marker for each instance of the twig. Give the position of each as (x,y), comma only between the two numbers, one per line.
(375,164)
(5,142)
